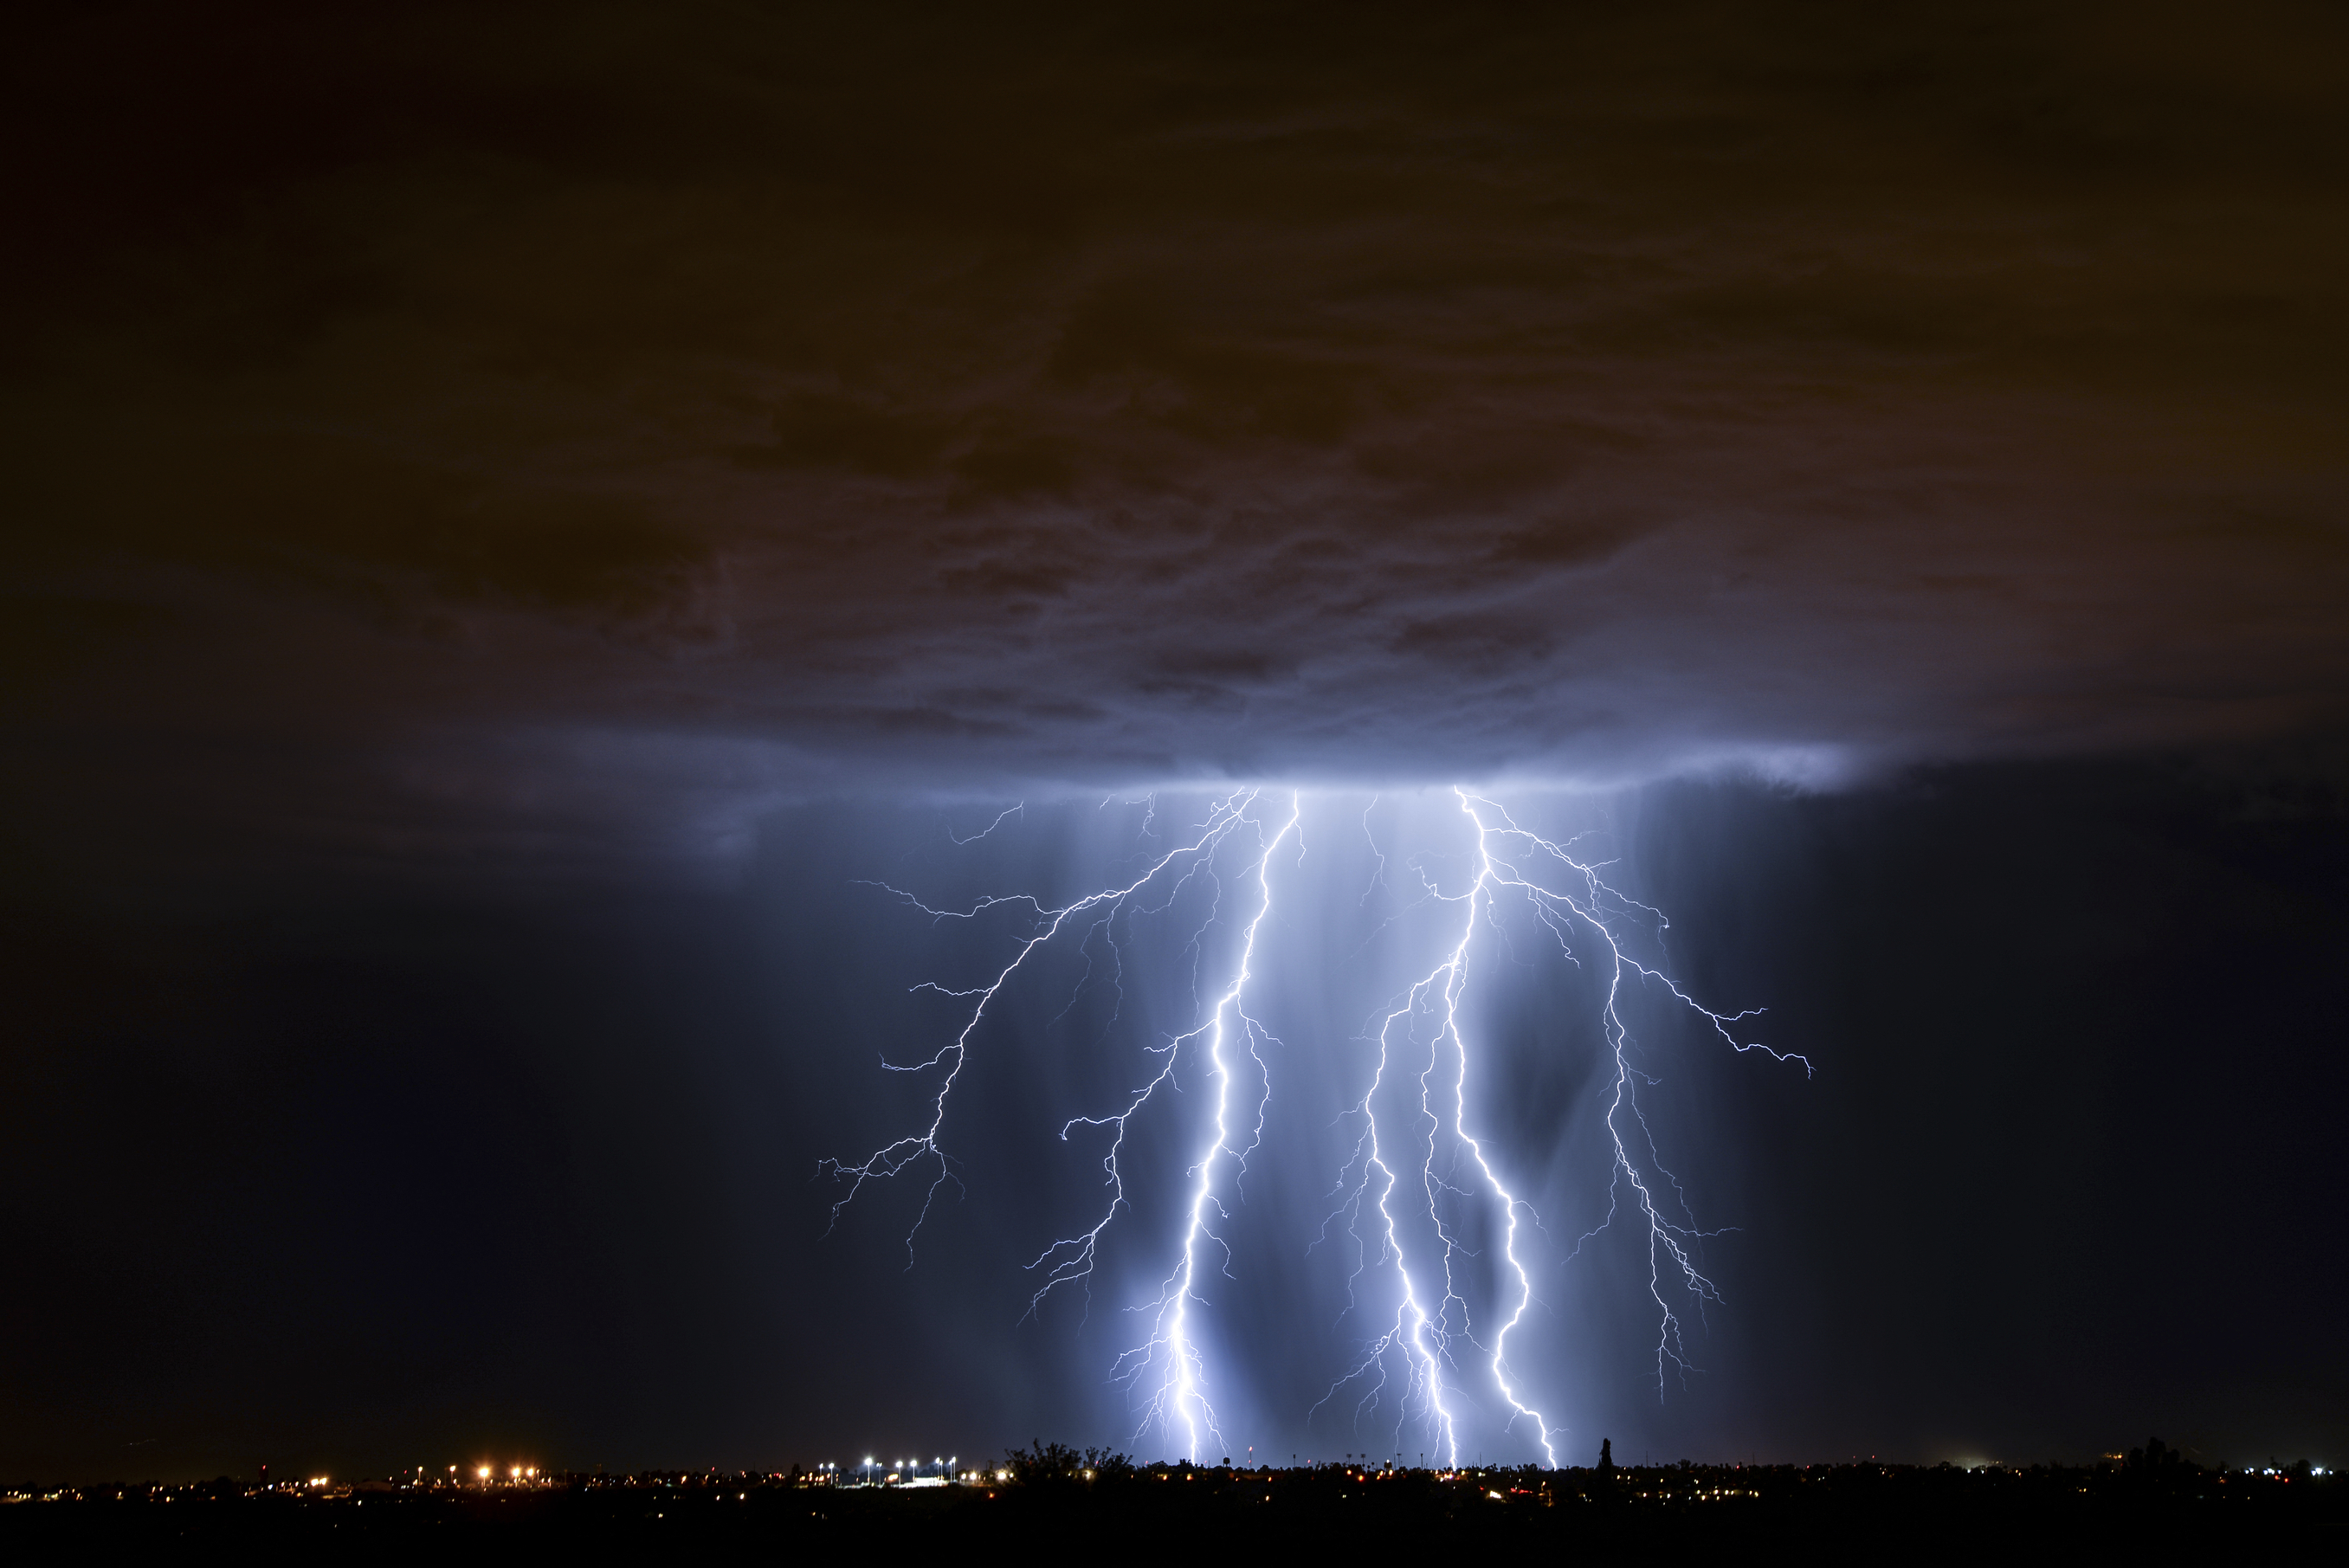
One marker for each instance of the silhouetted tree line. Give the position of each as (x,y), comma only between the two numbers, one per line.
(1057,1464)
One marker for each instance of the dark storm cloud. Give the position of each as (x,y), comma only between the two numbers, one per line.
(529,412)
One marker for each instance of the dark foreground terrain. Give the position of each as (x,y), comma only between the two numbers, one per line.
(1727,1513)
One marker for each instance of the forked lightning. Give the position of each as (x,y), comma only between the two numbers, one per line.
(1413,1122)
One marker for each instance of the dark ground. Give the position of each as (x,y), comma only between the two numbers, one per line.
(1770,1513)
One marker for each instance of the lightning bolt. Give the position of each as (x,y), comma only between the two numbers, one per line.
(922,1150)
(1587,904)
(1016,810)
(1429,1327)
(1180,1399)
(1181,1396)
(1419,1177)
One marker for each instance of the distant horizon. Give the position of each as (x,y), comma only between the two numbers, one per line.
(465,1475)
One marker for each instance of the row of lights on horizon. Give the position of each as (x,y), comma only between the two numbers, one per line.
(907,1469)
(900,1470)
(480,1473)
(897,1468)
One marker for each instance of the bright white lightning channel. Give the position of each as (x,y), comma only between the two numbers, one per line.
(1428,1329)
(1412,1114)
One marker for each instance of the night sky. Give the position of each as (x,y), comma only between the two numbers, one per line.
(516,519)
